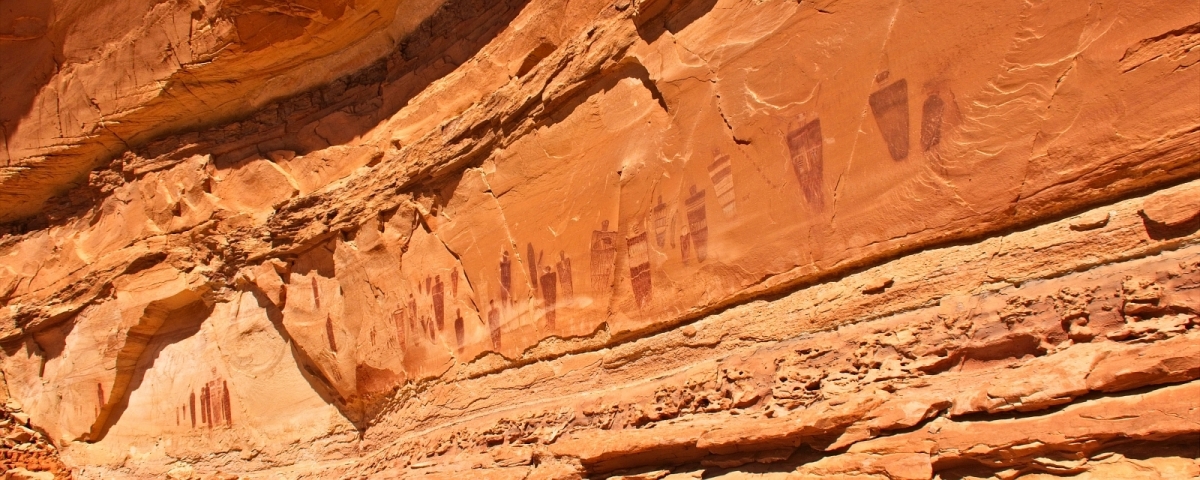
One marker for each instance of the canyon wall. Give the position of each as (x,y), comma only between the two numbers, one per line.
(643,239)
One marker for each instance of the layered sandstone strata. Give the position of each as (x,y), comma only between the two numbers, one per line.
(652,239)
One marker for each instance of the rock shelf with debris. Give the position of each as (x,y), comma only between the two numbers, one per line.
(640,239)
(26,454)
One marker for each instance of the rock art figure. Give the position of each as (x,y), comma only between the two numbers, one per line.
(505,278)
(494,324)
(889,105)
(398,319)
(329,333)
(439,304)
(931,121)
(316,293)
(805,146)
(658,215)
(204,410)
(877,343)
(639,268)
(566,283)
(215,404)
(721,173)
(459,330)
(549,284)
(226,404)
(412,312)
(697,223)
(604,253)
(671,233)
(531,263)
(685,244)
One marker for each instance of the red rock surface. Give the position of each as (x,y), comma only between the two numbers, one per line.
(603,239)
(25,453)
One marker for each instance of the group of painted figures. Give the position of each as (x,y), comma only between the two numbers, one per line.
(552,282)
(214,407)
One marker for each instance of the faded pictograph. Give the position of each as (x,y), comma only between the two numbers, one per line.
(685,243)
(549,290)
(493,319)
(329,333)
(438,296)
(460,330)
(553,282)
(420,307)
(100,395)
(931,121)
(316,293)
(658,217)
(398,319)
(336,373)
(505,279)
(639,268)
(217,401)
(604,255)
(889,105)
(427,321)
(671,232)
(412,313)
(215,408)
(531,263)
(565,280)
(226,404)
(805,145)
(720,171)
(697,222)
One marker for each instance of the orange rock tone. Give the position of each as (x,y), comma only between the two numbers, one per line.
(626,239)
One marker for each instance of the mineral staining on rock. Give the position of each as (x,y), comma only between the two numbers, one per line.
(650,238)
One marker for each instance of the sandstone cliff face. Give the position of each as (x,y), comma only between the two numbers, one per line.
(634,238)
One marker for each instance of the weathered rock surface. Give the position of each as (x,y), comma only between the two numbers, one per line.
(631,239)
(25,453)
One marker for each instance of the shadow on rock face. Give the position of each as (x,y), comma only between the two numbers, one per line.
(30,52)
(174,325)
(1161,231)
(659,16)
(333,114)
(338,113)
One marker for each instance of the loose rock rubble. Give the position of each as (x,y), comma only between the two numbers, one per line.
(26,454)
